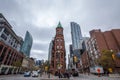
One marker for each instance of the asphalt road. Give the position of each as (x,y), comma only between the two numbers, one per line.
(45,77)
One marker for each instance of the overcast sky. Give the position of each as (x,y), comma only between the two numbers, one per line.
(41,17)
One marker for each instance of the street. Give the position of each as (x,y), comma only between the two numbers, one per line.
(45,77)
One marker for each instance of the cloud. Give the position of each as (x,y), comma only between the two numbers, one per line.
(40,42)
(40,18)
(38,54)
(37,51)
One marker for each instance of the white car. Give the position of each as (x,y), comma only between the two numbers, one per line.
(34,74)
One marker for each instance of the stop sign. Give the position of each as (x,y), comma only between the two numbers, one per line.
(98,70)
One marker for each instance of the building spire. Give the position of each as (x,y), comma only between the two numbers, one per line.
(59,25)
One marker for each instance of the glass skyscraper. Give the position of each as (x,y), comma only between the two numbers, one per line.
(26,47)
(76,36)
(50,51)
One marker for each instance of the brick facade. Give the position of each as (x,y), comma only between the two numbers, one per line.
(99,41)
(8,55)
(85,62)
(58,52)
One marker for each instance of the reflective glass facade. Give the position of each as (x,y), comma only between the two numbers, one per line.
(26,47)
(76,36)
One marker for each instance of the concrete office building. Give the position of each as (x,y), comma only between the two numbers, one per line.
(10,45)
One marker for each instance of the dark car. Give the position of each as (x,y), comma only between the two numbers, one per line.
(66,75)
(75,74)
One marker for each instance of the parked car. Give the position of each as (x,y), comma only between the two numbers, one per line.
(27,74)
(75,74)
(35,74)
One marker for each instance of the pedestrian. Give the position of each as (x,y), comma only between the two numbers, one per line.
(49,73)
(56,73)
(41,73)
(68,74)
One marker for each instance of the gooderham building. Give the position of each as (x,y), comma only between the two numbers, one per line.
(58,54)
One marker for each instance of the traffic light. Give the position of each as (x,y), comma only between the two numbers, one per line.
(113,56)
(75,59)
(46,68)
(110,70)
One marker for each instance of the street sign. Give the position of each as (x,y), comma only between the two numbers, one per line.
(98,70)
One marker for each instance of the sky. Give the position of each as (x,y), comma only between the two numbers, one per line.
(41,17)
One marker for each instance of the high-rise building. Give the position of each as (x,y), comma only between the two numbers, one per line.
(99,41)
(76,36)
(58,58)
(71,50)
(76,39)
(50,51)
(26,47)
(10,44)
(38,62)
(84,60)
(70,57)
(76,45)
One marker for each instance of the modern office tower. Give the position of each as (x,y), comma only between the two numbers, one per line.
(50,51)
(58,59)
(71,50)
(76,39)
(76,35)
(70,57)
(26,47)
(38,62)
(10,44)
(99,41)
